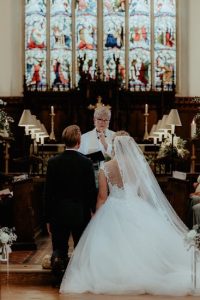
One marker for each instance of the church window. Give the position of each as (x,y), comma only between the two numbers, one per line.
(133,41)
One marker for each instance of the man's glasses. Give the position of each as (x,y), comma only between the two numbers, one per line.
(102,120)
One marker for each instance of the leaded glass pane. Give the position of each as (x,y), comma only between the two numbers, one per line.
(165,42)
(35,43)
(114,40)
(139,44)
(61,44)
(86,38)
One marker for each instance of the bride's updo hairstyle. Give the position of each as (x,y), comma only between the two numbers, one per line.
(121,133)
(118,133)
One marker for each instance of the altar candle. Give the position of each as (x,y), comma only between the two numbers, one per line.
(52,110)
(193,129)
(146,108)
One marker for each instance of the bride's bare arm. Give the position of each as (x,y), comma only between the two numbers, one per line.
(103,189)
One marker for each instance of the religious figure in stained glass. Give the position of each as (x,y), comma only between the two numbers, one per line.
(86,34)
(61,37)
(114,34)
(164,68)
(139,71)
(37,73)
(59,76)
(164,33)
(60,68)
(139,36)
(37,36)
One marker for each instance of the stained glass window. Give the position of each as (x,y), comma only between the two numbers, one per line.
(164,41)
(86,37)
(35,43)
(60,44)
(139,44)
(113,39)
(133,41)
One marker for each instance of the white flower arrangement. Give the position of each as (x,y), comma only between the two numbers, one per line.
(192,237)
(5,121)
(178,147)
(7,237)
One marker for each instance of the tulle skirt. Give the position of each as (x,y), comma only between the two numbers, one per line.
(128,248)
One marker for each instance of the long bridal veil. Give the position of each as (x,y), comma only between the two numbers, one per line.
(139,179)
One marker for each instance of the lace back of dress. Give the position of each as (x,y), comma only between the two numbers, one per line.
(112,173)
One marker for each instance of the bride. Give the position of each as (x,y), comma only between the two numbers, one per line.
(135,241)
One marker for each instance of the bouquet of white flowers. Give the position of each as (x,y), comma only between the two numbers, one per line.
(178,147)
(7,237)
(5,121)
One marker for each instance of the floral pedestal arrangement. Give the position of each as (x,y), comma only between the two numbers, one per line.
(4,252)
(7,237)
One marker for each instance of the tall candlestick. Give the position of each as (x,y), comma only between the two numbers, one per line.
(193,129)
(52,115)
(146,108)
(146,135)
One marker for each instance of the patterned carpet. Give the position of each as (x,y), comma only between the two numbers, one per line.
(32,256)
(35,257)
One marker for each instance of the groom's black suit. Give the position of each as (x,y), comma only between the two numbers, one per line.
(70,196)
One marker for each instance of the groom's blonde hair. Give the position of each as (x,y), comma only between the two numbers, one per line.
(71,136)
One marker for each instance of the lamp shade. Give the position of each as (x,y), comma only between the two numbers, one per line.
(44,131)
(151,134)
(26,118)
(156,130)
(36,124)
(163,123)
(173,118)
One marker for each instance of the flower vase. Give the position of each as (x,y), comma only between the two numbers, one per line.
(4,253)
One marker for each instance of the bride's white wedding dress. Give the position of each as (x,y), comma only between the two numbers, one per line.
(132,245)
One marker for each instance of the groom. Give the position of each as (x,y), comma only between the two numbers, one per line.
(70,197)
